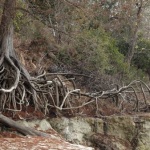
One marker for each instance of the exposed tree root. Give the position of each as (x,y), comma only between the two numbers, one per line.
(18,91)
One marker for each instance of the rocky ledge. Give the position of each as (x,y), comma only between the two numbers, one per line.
(12,141)
(128,132)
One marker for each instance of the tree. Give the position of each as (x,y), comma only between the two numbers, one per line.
(8,57)
(14,78)
(134,36)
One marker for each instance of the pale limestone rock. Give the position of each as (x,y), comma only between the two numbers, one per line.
(44,125)
(121,131)
(39,124)
(76,129)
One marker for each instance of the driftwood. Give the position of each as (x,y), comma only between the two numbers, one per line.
(20,128)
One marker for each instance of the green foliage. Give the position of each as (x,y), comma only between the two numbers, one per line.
(91,50)
(24,24)
(90,37)
(142,57)
(135,73)
(19,20)
(116,59)
(63,56)
(123,46)
(94,50)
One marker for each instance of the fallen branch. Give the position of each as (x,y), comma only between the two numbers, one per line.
(20,128)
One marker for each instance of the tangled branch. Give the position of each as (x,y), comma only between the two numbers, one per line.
(50,90)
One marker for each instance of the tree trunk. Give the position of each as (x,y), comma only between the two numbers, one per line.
(11,71)
(133,42)
(16,89)
(7,20)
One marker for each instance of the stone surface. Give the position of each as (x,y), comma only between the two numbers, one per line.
(110,142)
(121,126)
(44,125)
(38,124)
(55,142)
(144,134)
(120,132)
(112,133)
(76,129)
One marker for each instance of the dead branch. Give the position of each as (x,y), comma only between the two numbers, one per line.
(55,94)
(22,129)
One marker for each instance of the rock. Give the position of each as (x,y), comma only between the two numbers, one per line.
(143,142)
(75,129)
(54,142)
(111,133)
(44,125)
(120,132)
(110,142)
(78,129)
(39,124)
(121,126)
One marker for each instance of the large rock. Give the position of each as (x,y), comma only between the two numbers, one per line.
(111,133)
(76,129)
(54,142)
(120,132)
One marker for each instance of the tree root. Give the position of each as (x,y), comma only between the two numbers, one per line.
(19,91)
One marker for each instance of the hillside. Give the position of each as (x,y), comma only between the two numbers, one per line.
(84,64)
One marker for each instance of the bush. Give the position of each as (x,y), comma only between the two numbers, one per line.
(142,58)
(94,50)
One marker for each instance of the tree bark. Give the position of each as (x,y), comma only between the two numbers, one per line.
(11,71)
(133,42)
(7,24)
